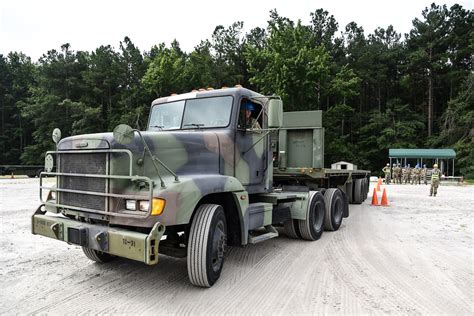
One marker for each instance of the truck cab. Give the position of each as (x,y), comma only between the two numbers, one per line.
(220,119)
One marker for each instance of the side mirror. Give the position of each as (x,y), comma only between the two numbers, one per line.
(275,113)
(56,135)
(123,134)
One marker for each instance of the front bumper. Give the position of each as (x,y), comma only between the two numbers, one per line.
(115,241)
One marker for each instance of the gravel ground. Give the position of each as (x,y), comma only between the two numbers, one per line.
(415,256)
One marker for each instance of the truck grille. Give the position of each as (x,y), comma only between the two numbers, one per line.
(83,164)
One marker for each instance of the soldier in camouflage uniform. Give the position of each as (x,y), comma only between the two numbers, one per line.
(435,176)
(394,173)
(408,174)
(251,121)
(399,174)
(386,171)
(423,174)
(416,175)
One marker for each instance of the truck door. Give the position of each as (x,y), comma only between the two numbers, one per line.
(250,154)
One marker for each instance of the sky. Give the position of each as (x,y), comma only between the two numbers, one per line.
(36,26)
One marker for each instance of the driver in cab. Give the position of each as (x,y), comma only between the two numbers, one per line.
(252,123)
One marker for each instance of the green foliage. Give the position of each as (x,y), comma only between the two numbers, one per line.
(396,127)
(458,127)
(290,64)
(376,89)
(165,71)
(16,76)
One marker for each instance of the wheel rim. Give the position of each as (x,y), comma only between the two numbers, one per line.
(318,216)
(218,246)
(338,210)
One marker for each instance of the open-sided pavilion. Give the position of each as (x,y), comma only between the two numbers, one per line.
(442,157)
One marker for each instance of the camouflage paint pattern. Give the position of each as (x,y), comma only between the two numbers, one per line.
(207,161)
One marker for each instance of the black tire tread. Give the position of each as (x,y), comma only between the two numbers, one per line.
(305,225)
(197,249)
(290,229)
(330,201)
(358,191)
(97,256)
(327,201)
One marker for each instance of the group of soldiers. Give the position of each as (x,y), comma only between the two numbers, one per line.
(416,175)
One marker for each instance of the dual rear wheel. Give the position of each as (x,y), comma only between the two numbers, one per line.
(360,190)
(325,212)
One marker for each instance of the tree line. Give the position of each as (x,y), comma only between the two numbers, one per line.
(378,90)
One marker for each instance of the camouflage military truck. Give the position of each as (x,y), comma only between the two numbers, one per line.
(199,179)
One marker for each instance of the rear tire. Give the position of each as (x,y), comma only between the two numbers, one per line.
(358,191)
(312,227)
(349,191)
(366,189)
(345,212)
(97,256)
(334,202)
(290,227)
(206,245)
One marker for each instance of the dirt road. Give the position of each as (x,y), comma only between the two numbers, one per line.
(416,256)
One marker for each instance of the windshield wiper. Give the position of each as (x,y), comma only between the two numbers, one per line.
(198,125)
(158,126)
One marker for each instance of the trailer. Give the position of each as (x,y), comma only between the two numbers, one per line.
(25,170)
(213,169)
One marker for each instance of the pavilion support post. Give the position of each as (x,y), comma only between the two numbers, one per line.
(391,170)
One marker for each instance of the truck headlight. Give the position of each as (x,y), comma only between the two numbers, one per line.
(143,206)
(157,206)
(131,205)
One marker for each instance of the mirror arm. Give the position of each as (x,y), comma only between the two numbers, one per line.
(253,145)
(162,183)
(153,159)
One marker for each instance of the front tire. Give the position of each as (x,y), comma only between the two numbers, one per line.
(206,245)
(97,256)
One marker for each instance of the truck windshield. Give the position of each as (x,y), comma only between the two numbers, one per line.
(191,113)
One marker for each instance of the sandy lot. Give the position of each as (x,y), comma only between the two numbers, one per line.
(415,256)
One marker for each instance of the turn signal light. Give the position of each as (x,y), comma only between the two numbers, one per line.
(158,205)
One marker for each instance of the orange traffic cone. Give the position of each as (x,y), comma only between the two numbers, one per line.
(378,184)
(375,200)
(384,201)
